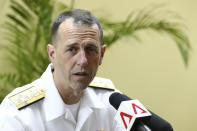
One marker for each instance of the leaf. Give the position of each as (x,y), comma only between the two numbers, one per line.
(149,18)
(17,21)
(27,32)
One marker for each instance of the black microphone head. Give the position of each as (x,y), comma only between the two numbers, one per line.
(116,98)
(154,122)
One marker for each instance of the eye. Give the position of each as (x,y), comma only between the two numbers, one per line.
(92,50)
(71,49)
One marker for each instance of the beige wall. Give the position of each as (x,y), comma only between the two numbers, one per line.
(153,71)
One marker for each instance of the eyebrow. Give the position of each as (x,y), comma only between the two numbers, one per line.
(76,44)
(93,45)
(72,44)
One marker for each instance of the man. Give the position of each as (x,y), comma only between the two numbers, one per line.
(61,99)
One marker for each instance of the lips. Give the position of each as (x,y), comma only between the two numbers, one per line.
(81,73)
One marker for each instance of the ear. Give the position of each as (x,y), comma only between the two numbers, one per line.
(103,48)
(51,52)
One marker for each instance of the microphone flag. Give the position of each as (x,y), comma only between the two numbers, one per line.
(129,111)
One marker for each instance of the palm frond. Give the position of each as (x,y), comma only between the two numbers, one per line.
(149,18)
(27,32)
(6,86)
(17,21)
(21,11)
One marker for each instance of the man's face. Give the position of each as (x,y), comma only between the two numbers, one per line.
(77,55)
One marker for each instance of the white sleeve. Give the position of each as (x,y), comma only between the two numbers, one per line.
(117,127)
(9,117)
(9,121)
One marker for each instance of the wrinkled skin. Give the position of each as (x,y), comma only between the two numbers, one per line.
(76,56)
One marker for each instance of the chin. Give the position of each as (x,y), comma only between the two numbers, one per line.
(78,90)
(81,85)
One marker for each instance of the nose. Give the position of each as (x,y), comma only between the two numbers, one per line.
(82,60)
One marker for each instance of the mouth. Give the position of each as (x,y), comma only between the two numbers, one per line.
(81,74)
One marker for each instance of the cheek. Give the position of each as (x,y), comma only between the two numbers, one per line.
(70,65)
(94,63)
(63,62)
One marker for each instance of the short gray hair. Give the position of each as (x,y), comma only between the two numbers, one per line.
(79,15)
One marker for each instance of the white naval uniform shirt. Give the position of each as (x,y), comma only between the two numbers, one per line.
(49,114)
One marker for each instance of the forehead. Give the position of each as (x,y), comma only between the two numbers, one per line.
(69,30)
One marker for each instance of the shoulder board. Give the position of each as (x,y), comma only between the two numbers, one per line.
(27,97)
(102,83)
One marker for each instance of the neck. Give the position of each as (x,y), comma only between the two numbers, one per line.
(68,94)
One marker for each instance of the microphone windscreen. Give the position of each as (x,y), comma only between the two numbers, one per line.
(116,98)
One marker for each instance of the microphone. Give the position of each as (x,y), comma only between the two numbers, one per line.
(154,122)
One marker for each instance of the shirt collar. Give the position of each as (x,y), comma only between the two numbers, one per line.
(53,104)
(90,99)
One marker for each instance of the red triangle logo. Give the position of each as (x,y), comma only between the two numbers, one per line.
(122,114)
(136,106)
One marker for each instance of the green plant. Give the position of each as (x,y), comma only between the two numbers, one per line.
(27,33)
